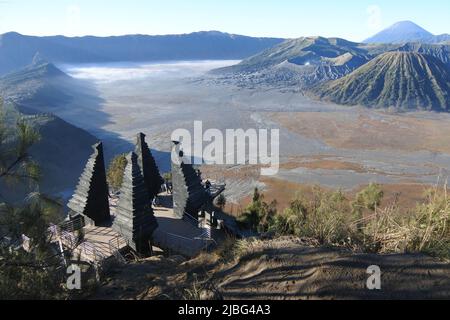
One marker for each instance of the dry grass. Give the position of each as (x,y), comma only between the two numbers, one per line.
(427,229)
(406,195)
(331,218)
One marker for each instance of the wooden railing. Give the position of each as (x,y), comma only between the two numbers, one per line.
(192,220)
(115,245)
(72,225)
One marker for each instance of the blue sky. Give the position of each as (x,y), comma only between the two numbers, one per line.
(350,19)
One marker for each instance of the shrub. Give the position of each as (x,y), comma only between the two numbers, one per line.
(328,221)
(167,176)
(221,201)
(369,198)
(426,229)
(259,215)
(115,172)
(325,218)
(331,219)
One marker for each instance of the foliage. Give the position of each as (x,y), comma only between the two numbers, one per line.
(34,273)
(221,201)
(425,229)
(259,215)
(167,176)
(370,198)
(115,172)
(16,164)
(324,218)
(330,219)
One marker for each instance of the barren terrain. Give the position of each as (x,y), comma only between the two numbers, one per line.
(320,143)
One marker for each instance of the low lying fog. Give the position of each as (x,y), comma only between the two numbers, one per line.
(111,72)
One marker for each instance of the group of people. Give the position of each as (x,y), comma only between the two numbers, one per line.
(207,183)
(165,187)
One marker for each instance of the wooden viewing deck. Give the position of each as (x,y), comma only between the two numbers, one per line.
(96,245)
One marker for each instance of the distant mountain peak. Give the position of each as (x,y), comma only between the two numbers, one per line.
(408,26)
(400,32)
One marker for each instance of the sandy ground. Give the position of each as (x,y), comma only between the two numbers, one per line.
(281,269)
(320,143)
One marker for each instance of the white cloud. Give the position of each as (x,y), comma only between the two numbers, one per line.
(73,19)
(375,17)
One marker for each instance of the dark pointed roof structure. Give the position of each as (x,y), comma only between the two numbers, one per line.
(134,218)
(189,194)
(91,196)
(147,164)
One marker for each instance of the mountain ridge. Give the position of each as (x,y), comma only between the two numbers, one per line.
(40,86)
(305,62)
(17,50)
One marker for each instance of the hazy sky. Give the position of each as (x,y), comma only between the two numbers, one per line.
(350,19)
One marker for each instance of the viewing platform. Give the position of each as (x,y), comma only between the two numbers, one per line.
(90,244)
(179,235)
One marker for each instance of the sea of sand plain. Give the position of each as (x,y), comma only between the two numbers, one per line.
(320,143)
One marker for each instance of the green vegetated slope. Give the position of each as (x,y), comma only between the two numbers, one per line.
(401,80)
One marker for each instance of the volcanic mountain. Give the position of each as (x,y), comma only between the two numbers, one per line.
(302,62)
(406,31)
(399,80)
(439,51)
(304,52)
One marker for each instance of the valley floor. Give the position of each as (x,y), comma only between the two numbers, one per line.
(320,143)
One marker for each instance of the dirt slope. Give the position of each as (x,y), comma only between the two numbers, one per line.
(281,269)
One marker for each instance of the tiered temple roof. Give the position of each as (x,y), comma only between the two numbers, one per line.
(148,166)
(189,194)
(134,218)
(91,196)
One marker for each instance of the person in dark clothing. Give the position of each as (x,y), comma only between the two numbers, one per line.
(208,186)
